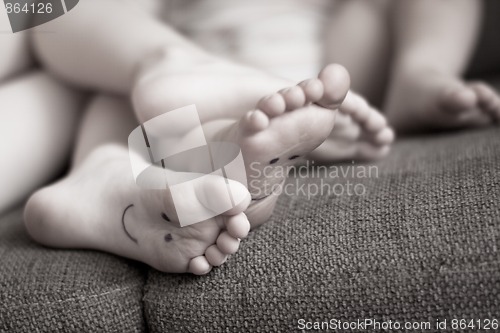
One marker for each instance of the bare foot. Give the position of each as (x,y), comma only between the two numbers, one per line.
(361,133)
(99,206)
(221,89)
(276,133)
(285,128)
(430,100)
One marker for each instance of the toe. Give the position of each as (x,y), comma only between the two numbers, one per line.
(212,193)
(238,226)
(272,105)
(218,194)
(241,197)
(313,89)
(385,136)
(199,266)
(254,121)
(345,128)
(294,97)
(375,121)
(227,244)
(488,99)
(486,95)
(350,103)
(355,106)
(214,256)
(458,99)
(336,82)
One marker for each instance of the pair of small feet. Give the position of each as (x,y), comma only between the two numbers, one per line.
(429,100)
(99,206)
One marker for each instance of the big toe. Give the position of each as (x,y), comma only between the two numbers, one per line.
(336,82)
(222,196)
(238,225)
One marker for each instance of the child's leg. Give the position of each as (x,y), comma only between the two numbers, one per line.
(15,55)
(99,206)
(434,41)
(173,72)
(37,119)
(37,123)
(357,37)
(109,50)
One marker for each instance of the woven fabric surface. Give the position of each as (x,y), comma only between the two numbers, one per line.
(421,244)
(49,290)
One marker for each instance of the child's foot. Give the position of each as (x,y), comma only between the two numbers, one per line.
(99,206)
(284,128)
(430,100)
(360,133)
(224,90)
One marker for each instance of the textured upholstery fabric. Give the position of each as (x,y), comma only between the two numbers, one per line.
(422,244)
(46,290)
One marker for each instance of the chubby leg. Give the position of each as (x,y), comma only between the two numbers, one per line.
(16,56)
(357,37)
(37,119)
(434,41)
(109,50)
(37,122)
(99,206)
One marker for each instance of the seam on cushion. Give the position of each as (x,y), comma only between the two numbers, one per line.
(141,286)
(143,301)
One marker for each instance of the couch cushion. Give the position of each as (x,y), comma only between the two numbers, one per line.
(421,244)
(47,290)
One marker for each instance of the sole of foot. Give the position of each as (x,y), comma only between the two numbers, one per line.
(285,127)
(99,206)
